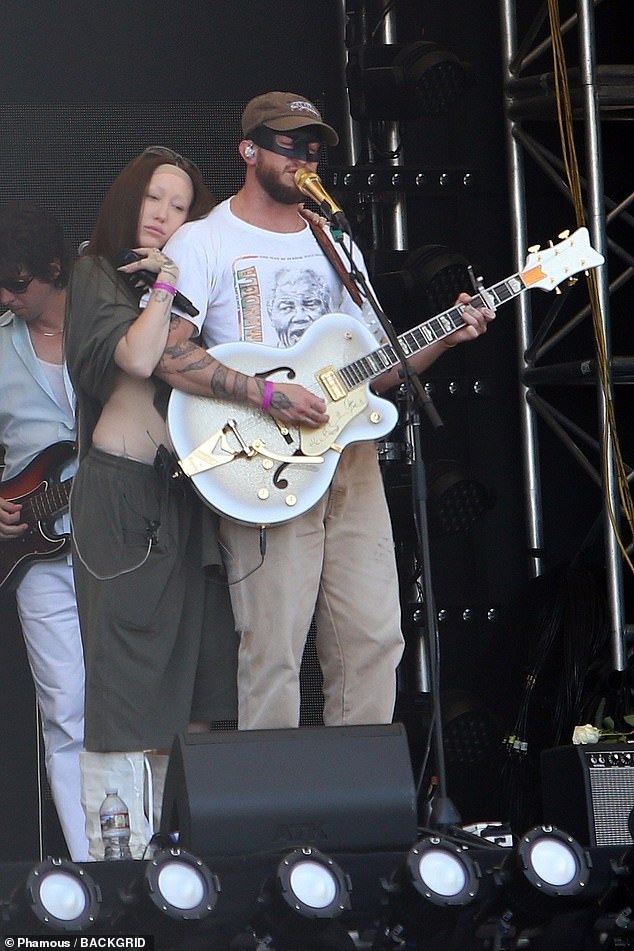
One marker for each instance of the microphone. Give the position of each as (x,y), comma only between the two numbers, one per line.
(147,278)
(310,184)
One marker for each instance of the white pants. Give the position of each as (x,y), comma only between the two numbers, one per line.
(48,616)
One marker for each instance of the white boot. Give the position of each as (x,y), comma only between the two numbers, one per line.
(125,772)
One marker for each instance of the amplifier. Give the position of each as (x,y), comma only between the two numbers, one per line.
(588,791)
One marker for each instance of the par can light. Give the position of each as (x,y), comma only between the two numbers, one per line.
(63,896)
(181,886)
(554,862)
(312,884)
(442,871)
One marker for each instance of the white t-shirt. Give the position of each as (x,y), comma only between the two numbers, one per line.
(255,285)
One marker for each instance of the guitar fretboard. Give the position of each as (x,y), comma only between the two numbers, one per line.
(425,334)
(48,503)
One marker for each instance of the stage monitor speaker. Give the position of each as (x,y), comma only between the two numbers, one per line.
(337,788)
(588,791)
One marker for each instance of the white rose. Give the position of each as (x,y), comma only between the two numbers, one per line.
(586,734)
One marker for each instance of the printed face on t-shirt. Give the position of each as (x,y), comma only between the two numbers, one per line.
(298,299)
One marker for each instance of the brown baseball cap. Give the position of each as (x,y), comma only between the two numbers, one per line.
(284,112)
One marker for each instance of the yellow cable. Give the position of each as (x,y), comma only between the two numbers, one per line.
(566,132)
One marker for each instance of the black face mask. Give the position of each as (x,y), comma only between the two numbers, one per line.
(301,138)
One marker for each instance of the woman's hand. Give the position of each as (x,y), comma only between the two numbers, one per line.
(138,352)
(154,260)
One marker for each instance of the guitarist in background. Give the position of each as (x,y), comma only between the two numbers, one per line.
(36,411)
(256,272)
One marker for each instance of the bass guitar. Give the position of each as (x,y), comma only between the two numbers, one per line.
(43,498)
(254,470)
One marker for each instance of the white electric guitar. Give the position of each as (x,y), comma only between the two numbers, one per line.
(254,470)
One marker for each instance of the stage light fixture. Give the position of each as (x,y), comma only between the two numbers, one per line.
(553,862)
(312,884)
(441,273)
(180,885)
(404,81)
(63,896)
(442,881)
(442,871)
(547,875)
(302,899)
(421,283)
(458,500)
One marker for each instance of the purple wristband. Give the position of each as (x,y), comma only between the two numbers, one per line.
(267,395)
(160,286)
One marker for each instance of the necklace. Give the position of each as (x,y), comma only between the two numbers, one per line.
(48,333)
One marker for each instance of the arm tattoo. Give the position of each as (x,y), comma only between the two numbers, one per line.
(229,384)
(162,297)
(186,358)
(241,387)
(218,383)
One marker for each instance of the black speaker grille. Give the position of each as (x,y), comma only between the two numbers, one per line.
(612,791)
(588,791)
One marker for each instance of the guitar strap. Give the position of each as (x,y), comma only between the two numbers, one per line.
(328,248)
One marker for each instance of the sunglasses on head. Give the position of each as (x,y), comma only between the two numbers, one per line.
(173,158)
(16,285)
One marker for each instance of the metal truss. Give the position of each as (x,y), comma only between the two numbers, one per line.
(549,336)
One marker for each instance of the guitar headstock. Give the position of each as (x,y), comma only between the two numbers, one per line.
(548,267)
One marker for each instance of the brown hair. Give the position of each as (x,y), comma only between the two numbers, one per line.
(118,220)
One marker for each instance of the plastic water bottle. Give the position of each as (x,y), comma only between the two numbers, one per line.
(115,827)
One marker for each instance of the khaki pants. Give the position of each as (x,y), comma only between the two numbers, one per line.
(337,562)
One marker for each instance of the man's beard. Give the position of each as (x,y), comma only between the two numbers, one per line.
(275,189)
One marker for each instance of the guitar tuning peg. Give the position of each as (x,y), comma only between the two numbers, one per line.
(564,234)
(558,290)
(534,248)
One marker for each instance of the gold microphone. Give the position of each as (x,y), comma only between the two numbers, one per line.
(310,184)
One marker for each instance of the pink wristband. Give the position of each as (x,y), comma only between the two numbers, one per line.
(267,396)
(160,286)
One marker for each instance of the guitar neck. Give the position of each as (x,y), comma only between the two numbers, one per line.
(427,333)
(50,502)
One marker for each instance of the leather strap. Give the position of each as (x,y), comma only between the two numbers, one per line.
(328,248)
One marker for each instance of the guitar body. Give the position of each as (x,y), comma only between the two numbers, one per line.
(43,498)
(247,468)
(261,489)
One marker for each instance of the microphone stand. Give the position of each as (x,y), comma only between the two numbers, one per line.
(443,815)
